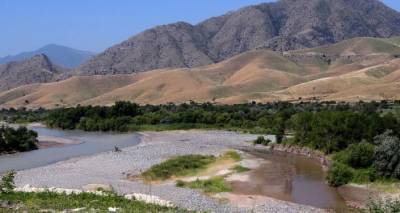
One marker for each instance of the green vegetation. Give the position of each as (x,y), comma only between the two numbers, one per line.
(387,155)
(213,185)
(348,131)
(178,166)
(262,141)
(232,155)
(7,182)
(35,202)
(339,174)
(383,206)
(20,139)
(240,169)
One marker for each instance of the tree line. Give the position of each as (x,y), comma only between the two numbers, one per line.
(361,136)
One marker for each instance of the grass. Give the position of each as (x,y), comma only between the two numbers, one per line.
(178,166)
(34,202)
(187,165)
(213,185)
(240,169)
(232,155)
(385,185)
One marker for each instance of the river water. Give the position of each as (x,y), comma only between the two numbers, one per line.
(292,178)
(90,143)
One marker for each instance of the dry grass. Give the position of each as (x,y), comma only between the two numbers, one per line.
(360,68)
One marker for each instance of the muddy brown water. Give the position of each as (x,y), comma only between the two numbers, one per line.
(292,178)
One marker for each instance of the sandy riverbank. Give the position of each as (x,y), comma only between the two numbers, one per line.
(50,141)
(113,168)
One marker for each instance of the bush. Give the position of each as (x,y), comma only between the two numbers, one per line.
(339,174)
(261,140)
(7,182)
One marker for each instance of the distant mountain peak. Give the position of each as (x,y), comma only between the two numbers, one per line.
(60,55)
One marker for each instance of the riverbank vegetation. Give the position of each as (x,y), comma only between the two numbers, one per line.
(212,185)
(84,202)
(361,137)
(192,165)
(17,140)
(178,166)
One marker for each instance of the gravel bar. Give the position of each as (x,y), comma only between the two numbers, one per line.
(155,147)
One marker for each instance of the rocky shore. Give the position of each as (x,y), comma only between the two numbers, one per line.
(113,168)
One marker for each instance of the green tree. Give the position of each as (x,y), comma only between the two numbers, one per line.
(387,155)
(7,182)
(361,155)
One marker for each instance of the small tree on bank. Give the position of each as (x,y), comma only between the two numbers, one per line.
(7,182)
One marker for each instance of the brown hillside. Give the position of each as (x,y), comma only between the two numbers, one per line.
(362,68)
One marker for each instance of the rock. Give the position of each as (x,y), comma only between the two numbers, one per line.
(5,204)
(98,187)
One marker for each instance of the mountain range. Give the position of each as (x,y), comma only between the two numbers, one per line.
(60,55)
(282,25)
(287,50)
(351,70)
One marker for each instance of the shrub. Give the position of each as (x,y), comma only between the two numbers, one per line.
(339,174)
(261,140)
(7,182)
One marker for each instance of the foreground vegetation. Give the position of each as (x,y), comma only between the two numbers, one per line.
(87,202)
(21,139)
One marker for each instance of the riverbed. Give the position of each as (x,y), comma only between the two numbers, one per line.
(283,183)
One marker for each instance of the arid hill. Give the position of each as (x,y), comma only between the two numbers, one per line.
(359,68)
(282,25)
(38,69)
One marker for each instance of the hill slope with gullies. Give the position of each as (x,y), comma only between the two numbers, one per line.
(352,70)
(282,25)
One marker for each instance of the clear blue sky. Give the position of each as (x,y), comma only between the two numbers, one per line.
(97,24)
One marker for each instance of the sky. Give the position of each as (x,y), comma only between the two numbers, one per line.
(94,25)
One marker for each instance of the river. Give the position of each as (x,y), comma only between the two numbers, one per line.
(90,143)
